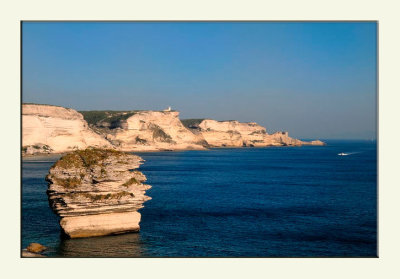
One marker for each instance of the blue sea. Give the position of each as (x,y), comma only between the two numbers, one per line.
(246,202)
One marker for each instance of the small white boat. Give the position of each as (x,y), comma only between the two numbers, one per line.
(343,154)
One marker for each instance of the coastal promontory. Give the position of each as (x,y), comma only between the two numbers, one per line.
(54,129)
(233,133)
(97,192)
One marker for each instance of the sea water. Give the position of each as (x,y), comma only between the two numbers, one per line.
(246,202)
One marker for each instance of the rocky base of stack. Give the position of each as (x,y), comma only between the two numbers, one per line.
(97,192)
(100,224)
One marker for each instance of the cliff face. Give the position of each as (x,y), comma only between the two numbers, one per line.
(48,129)
(56,129)
(97,192)
(154,130)
(237,134)
(231,133)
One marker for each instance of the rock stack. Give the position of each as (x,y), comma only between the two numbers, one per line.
(97,192)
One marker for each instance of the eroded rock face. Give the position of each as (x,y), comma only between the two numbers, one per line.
(97,192)
(237,134)
(58,129)
(155,130)
(231,133)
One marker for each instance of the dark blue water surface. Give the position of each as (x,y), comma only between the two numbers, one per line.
(247,202)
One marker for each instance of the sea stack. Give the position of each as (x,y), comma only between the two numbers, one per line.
(97,192)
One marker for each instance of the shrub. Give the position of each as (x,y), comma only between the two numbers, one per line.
(99,197)
(140,140)
(70,182)
(131,181)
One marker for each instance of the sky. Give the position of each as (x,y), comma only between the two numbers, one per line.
(312,79)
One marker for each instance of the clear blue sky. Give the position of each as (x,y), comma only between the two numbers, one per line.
(314,80)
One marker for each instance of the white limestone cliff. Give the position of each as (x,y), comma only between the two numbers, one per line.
(52,129)
(154,130)
(237,134)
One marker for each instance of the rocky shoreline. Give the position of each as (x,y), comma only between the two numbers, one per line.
(34,250)
(46,155)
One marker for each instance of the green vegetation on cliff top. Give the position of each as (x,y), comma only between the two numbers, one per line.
(86,158)
(107,116)
(112,117)
(44,105)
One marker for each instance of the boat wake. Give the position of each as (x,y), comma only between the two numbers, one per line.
(346,154)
